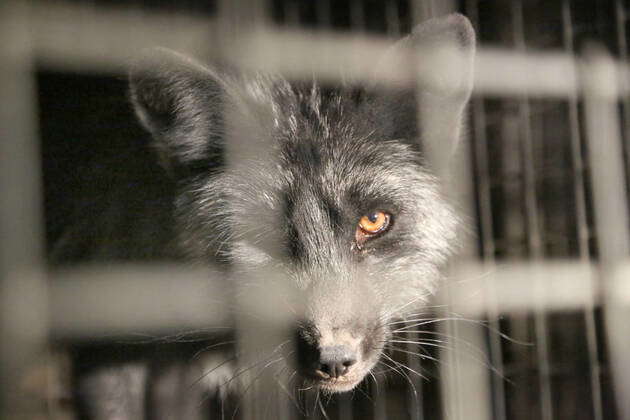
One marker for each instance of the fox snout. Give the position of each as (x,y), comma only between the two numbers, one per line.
(335,359)
(326,362)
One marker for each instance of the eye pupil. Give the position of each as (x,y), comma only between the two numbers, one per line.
(373,223)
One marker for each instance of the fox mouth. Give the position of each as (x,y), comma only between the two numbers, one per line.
(333,385)
(335,360)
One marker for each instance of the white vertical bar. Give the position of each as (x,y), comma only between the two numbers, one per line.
(23,307)
(622,40)
(464,382)
(611,213)
(263,331)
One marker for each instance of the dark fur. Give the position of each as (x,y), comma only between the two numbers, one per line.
(260,173)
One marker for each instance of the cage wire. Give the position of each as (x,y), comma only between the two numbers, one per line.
(535,307)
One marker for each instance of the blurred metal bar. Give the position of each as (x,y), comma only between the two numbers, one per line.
(291,14)
(535,245)
(69,43)
(392,18)
(415,395)
(324,14)
(582,224)
(378,391)
(145,298)
(450,371)
(23,291)
(87,38)
(508,73)
(622,40)
(569,286)
(264,333)
(601,83)
(344,406)
(484,197)
(132,299)
(105,40)
(265,342)
(242,15)
(499,72)
(426,9)
(464,382)
(357,16)
(488,246)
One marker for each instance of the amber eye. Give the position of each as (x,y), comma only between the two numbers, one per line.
(374,222)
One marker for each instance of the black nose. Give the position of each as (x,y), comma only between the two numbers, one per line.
(335,361)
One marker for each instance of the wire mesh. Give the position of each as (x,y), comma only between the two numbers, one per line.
(535,100)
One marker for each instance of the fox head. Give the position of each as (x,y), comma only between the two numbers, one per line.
(326,185)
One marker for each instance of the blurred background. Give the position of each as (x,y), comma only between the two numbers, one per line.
(547,155)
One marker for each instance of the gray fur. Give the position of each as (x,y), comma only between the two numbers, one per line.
(270,173)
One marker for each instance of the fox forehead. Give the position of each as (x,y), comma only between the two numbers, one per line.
(329,140)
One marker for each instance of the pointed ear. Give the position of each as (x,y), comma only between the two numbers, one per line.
(447,50)
(180,102)
(442,51)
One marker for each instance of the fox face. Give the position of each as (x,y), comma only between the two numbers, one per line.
(325,185)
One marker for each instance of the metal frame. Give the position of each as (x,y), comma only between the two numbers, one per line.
(59,39)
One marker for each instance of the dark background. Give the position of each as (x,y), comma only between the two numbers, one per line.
(88,133)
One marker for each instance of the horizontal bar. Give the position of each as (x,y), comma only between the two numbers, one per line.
(106,40)
(130,299)
(524,287)
(101,301)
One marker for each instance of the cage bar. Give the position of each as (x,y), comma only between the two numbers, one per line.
(488,247)
(532,221)
(621,16)
(610,201)
(583,228)
(464,381)
(450,370)
(99,48)
(260,327)
(392,19)
(23,291)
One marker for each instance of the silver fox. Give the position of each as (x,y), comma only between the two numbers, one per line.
(329,186)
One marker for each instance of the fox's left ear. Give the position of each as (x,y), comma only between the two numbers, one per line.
(442,53)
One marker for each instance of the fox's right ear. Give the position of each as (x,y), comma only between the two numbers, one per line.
(180,102)
(442,50)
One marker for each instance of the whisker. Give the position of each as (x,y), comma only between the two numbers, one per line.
(405,367)
(196,381)
(252,382)
(199,352)
(322,409)
(421,356)
(468,320)
(290,395)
